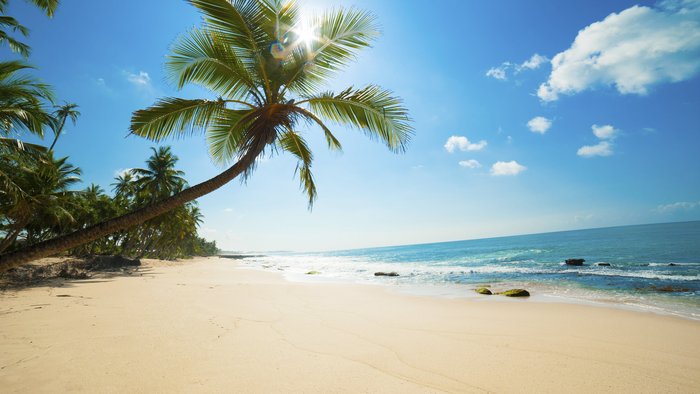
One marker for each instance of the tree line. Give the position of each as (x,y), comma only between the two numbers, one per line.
(38,195)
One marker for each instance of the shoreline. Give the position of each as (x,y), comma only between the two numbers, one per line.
(540,292)
(216,325)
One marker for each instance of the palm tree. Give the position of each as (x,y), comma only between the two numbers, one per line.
(124,186)
(259,60)
(45,184)
(159,179)
(7,22)
(60,115)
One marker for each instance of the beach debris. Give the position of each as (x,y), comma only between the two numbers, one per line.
(576,262)
(73,273)
(313,273)
(71,268)
(603,264)
(483,290)
(515,293)
(386,274)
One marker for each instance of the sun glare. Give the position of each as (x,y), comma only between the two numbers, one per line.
(305,32)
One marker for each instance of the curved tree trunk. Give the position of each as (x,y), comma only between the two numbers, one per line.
(89,234)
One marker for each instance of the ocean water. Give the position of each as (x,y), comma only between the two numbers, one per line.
(653,267)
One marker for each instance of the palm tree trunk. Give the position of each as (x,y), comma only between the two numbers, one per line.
(80,237)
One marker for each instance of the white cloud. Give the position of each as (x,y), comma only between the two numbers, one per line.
(497,72)
(141,79)
(678,206)
(603,148)
(122,172)
(470,163)
(539,124)
(605,132)
(501,72)
(228,210)
(533,63)
(507,168)
(631,50)
(462,143)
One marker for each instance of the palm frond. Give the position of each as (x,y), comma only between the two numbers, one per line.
(227,134)
(293,143)
(238,22)
(14,45)
(342,33)
(333,143)
(174,117)
(374,110)
(201,57)
(18,146)
(13,24)
(48,6)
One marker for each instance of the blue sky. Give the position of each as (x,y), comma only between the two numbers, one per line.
(530,117)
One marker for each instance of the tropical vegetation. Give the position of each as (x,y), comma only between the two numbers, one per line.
(265,69)
(49,206)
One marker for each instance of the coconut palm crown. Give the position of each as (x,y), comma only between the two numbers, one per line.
(266,66)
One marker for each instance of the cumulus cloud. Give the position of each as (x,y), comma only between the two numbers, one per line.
(606,134)
(122,171)
(470,163)
(501,168)
(462,143)
(501,72)
(140,79)
(603,148)
(631,50)
(533,63)
(678,206)
(539,124)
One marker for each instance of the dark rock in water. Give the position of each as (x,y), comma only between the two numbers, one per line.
(515,293)
(239,256)
(483,290)
(664,289)
(386,274)
(603,264)
(574,261)
(313,273)
(672,265)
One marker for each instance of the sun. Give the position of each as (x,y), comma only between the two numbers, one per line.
(306,32)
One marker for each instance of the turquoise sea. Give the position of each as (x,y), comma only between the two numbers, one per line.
(653,267)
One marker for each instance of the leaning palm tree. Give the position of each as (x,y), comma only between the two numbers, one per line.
(60,115)
(266,67)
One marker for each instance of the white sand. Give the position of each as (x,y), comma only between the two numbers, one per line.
(208,326)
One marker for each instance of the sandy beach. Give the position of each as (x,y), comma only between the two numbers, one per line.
(207,325)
